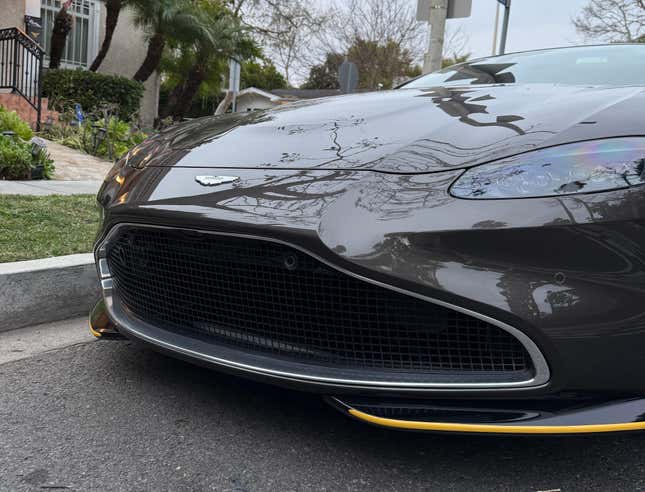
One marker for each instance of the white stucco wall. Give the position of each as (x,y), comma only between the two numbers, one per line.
(127,51)
(32,7)
(13,13)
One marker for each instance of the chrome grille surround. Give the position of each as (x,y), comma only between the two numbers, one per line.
(349,377)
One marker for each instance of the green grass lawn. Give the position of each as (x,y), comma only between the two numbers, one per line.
(41,226)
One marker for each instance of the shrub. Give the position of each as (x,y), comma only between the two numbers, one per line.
(15,159)
(11,122)
(22,160)
(110,141)
(92,91)
(42,164)
(120,136)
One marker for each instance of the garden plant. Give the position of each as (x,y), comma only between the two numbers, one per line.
(21,156)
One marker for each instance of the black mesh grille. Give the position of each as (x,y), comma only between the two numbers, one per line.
(267,298)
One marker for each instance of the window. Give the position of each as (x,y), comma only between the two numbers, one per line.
(82,41)
(618,64)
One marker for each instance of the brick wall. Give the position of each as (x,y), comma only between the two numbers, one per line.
(14,102)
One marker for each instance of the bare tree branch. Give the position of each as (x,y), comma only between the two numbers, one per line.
(380,21)
(612,20)
(455,43)
(286,30)
(298,34)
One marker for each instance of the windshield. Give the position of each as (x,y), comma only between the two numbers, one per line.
(622,64)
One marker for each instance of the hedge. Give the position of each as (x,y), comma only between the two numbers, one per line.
(91,90)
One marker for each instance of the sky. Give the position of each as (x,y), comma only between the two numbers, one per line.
(533,24)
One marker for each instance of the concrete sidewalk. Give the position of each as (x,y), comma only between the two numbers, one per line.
(74,165)
(47,187)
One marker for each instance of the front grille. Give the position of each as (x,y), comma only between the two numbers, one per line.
(266,298)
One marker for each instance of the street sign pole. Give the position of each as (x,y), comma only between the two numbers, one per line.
(507,14)
(234,80)
(495,30)
(348,77)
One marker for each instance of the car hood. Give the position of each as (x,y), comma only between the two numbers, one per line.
(405,130)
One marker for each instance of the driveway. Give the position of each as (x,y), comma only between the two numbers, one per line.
(115,416)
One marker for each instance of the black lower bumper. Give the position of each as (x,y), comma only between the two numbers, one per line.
(550,415)
(306,377)
(588,416)
(499,417)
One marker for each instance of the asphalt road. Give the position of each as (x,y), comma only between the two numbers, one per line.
(114,416)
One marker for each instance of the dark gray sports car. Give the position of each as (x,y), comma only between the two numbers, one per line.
(465,253)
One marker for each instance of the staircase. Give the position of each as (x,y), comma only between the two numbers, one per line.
(21,67)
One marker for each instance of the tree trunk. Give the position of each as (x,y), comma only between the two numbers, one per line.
(113,9)
(222,107)
(171,103)
(152,59)
(62,27)
(196,76)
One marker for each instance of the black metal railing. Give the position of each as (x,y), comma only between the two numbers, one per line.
(21,67)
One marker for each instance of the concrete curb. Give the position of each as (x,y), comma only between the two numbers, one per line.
(51,289)
(45,187)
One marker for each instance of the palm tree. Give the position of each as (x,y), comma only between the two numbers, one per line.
(205,58)
(164,20)
(112,9)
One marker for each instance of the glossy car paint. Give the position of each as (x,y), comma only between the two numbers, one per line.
(363,182)
(406,130)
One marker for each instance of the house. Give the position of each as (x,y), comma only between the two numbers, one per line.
(253,98)
(127,51)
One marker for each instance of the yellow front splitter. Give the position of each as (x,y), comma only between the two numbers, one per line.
(496,429)
(616,416)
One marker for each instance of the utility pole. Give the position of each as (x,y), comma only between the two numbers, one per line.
(494,51)
(435,13)
(437,23)
(507,14)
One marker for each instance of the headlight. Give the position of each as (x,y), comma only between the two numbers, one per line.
(584,167)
